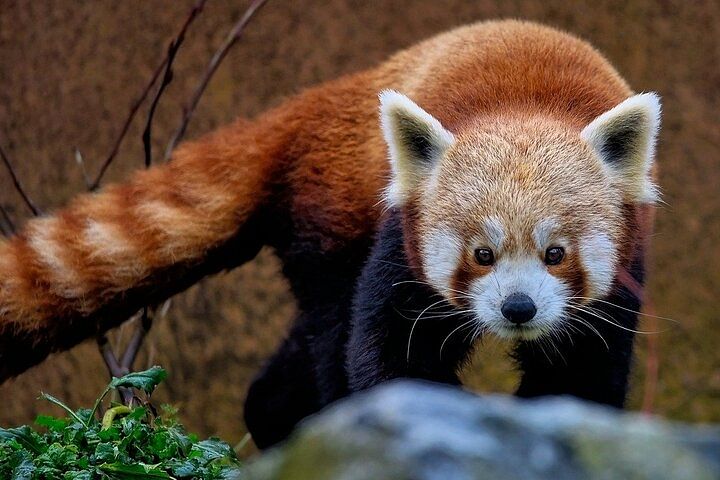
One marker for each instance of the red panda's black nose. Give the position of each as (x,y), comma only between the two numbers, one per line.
(518,308)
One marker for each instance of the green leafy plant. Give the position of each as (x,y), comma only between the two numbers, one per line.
(128,443)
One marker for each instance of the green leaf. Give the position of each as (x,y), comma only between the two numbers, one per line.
(112,433)
(78,475)
(58,458)
(182,440)
(123,471)
(105,453)
(163,445)
(138,413)
(24,436)
(231,473)
(50,422)
(211,449)
(135,445)
(182,468)
(146,380)
(225,472)
(24,471)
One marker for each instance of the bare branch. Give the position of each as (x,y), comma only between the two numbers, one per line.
(167,78)
(220,54)
(143,326)
(18,186)
(109,356)
(133,110)
(114,367)
(8,228)
(136,106)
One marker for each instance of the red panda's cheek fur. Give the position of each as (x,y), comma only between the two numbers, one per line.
(467,272)
(633,232)
(412,232)
(571,273)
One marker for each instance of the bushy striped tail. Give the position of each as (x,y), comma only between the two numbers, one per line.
(86,268)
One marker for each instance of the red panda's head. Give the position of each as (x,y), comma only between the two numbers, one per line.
(515,218)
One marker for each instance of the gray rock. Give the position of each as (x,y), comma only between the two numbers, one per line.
(415,430)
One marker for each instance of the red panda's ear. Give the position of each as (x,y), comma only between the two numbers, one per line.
(416,141)
(624,137)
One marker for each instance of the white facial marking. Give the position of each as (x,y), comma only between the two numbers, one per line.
(598,256)
(543,232)
(519,275)
(494,232)
(441,255)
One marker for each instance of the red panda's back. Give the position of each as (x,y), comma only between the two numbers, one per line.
(335,182)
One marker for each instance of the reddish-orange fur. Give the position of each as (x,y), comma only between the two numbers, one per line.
(318,159)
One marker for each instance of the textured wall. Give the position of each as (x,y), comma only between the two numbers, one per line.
(69,71)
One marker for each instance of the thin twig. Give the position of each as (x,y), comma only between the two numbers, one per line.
(141,99)
(232,38)
(167,78)
(109,356)
(81,163)
(8,227)
(133,347)
(133,110)
(18,186)
(114,367)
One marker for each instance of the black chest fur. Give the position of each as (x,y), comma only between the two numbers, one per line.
(387,324)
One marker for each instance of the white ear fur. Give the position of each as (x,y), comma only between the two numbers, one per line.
(416,141)
(624,137)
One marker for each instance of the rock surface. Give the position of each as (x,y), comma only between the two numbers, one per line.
(413,430)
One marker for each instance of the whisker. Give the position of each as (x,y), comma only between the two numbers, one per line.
(589,326)
(393,263)
(435,305)
(497,282)
(460,292)
(567,330)
(542,349)
(447,315)
(473,334)
(625,308)
(413,311)
(477,332)
(412,329)
(541,283)
(604,319)
(469,322)
(552,336)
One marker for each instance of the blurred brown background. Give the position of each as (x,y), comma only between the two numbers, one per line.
(70,70)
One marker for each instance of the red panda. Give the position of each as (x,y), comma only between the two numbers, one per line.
(518,190)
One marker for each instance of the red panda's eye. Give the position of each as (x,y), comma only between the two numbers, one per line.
(554,255)
(484,256)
